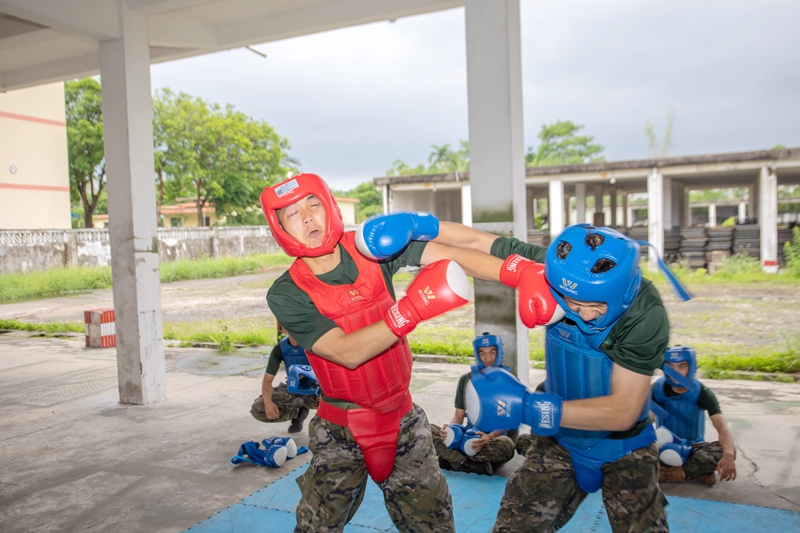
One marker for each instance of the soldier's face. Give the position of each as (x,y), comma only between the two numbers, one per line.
(682,368)
(488,355)
(588,311)
(305,220)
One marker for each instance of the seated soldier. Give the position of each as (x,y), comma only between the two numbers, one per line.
(487,448)
(681,402)
(278,404)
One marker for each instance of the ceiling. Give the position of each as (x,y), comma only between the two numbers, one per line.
(43,41)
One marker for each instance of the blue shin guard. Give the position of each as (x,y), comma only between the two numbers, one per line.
(250,452)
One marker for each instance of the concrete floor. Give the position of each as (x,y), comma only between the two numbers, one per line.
(72,458)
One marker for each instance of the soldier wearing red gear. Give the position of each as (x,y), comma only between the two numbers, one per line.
(340,307)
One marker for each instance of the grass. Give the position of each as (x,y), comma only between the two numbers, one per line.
(45,327)
(62,281)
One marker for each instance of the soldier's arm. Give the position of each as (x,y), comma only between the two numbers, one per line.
(726,466)
(270,408)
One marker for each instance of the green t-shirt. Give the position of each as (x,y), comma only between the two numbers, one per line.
(297,313)
(462,387)
(706,400)
(637,342)
(275,360)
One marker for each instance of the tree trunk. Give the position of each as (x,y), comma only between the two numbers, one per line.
(160,198)
(200,204)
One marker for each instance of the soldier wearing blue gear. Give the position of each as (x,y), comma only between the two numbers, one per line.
(278,404)
(680,402)
(590,423)
(460,446)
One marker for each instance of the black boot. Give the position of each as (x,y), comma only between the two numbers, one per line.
(475,467)
(297,423)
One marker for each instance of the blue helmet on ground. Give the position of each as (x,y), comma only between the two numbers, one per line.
(680,354)
(487,341)
(592,264)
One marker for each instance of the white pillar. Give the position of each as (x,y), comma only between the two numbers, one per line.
(580,203)
(612,200)
(627,215)
(555,215)
(676,200)
(466,204)
(385,194)
(655,216)
(712,215)
(530,208)
(128,138)
(598,200)
(755,207)
(687,208)
(667,203)
(497,157)
(567,211)
(768,219)
(742,212)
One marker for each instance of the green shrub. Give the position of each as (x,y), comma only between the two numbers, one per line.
(738,265)
(792,251)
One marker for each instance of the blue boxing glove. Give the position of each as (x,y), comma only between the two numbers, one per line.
(383,236)
(496,400)
(301,379)
(672,450)
(460,438)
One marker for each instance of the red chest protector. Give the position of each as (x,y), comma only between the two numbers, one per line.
(380,385)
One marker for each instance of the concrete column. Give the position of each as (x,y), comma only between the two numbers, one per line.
(385,194)
(742,212)
(567,211)
(627,215)
(768,219)
(755,207)
(466,204)
(497,157)
(667,203)
(128,138)
(712,215)
(677,204)
(580,203)
(687,213)
(598,200)
(530,208)
(613,202)
(655,215)
(555,215)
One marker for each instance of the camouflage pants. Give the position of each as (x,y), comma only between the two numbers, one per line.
(497,450)
(288,404)
(543,494)
(703,459)
(416,493)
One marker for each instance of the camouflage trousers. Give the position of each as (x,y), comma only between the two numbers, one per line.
(415,494)
(497,450)
(544,494)
(703,459)
(288,404)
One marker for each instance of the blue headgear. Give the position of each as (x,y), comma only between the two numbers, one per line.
(571,266)
(486,341)
(679,354)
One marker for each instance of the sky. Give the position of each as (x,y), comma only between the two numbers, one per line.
(354,100)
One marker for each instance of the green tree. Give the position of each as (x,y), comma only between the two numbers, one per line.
(87,175)
(221,155)
(661,149)
(370,201)
(442,159)
(561,146)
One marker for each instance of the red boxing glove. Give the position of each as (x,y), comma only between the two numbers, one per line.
(537,307)
(438,288)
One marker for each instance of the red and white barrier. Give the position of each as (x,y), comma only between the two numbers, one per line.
(100,328)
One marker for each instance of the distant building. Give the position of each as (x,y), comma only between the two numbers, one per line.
(34,165)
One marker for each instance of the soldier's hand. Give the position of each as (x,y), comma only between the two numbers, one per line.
(478,444)
(726,468)
(271,410)
(443,432)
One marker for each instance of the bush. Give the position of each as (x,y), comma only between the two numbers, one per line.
(739,264)
(792,251)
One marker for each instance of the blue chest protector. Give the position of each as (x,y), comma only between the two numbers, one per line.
(577,369)
(292,355)
(682,415)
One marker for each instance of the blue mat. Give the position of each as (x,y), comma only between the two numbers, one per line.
(475,503)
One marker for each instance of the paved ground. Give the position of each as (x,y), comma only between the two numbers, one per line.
(74,459)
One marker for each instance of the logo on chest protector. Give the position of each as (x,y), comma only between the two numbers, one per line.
(565,335)
(353,295)
(503,409)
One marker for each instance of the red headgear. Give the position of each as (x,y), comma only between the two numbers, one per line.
(293,190)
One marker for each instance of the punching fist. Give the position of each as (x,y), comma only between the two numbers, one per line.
(438,288)
(383,236)
(496,400)
(537,307)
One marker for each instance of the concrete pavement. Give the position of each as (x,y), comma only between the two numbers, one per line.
(73,459)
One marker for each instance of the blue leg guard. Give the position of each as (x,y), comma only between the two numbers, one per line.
(250,452)
(291,445)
